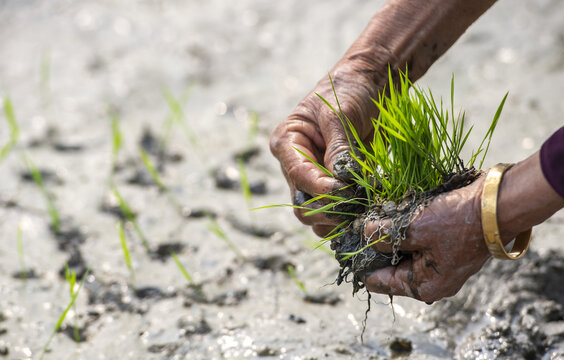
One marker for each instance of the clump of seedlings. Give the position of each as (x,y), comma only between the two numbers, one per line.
(414,155)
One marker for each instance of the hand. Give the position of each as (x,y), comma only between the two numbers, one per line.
(443,248)
(315,130)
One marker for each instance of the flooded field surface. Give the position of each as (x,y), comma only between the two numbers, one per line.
(196,87)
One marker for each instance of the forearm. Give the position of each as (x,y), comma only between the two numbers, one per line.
(525,198)
(412,34)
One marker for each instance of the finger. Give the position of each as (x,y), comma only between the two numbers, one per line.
(322,230)
(394,280)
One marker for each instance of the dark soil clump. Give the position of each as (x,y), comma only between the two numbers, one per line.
(400,214)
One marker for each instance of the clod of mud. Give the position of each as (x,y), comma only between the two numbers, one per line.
(267,351)
(400,214)
(168,349)
(163,251)
(110,205)
(228,177)
(524,310)
(28,274)
(250,228)
(230,298)
(343,166)
(271,262)
(68,236)
(48,176)
(154,146)
(297,319)
(189,327)
(75,263)
(67,147)
(325,298)
(400,347)
(116,296)
(75,334)
(197,213)
(247,154)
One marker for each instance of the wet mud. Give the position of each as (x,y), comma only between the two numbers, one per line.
(69,62)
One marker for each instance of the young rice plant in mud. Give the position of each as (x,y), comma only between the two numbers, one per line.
(414,155)
(51,209)
(14,129)
(74,294)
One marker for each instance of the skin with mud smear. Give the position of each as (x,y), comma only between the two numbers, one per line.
(441,237)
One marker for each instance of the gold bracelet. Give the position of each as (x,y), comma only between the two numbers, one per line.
(489,218)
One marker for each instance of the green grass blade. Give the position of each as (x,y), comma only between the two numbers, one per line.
(14,129)
(292,273)
(319,166)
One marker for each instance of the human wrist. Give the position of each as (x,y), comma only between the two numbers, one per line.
(525,199)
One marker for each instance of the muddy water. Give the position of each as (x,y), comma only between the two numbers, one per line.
(65,63)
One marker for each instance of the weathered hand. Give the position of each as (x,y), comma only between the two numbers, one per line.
(443,248)
(314,129)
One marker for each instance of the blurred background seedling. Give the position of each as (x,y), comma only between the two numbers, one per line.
(71,280)
(13,126)
(152,170)
(126,254)
(74,296)
(177,116)
(216,229)
(246,188)
(130,217)
(51,208)
(117,142)
(292,272)
(188,277)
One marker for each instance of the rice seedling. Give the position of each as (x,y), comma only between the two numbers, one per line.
(215,228)
(71,280)
(245,182)
(414,155)
(291,271)
(416,145)
(130,217)
(177,116)
(125,249)
(145,158)
(74,296)
(188,277)
(117,141)
(19,240)
(14,129)
(51,209)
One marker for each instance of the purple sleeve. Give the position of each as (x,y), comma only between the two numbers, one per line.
(552,161)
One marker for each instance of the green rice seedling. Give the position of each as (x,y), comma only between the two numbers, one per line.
(117,141)
(125,249)
(52,210)
(245,182)
(71,280)
(74,295)
(146,159)
(187,276)
(218,231)
(416,145)
(292,273)
(14,129)
(129,216)
(177,116)
(19,238)
(415,154)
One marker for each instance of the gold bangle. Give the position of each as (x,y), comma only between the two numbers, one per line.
(489,218)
